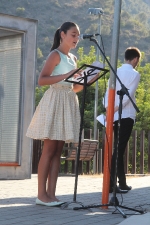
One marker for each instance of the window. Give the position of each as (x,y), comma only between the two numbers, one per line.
(10,98)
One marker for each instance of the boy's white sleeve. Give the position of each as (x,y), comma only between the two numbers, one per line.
(132,86)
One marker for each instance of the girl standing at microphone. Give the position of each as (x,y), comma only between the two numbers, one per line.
(57,117)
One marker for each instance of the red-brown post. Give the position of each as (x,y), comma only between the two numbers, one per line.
(142,152)
(149,152)
(134,135)
(126,158)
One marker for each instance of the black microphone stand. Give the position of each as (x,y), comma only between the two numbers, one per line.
(85,83)
(114,201)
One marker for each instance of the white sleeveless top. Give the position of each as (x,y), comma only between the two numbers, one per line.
(66,65)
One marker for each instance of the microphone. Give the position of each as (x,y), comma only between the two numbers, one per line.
(86,36)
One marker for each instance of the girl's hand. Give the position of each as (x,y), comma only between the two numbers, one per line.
(69,73)
(79,74)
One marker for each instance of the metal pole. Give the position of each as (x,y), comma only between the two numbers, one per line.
(96,85)
(111,99)
(96,94)
(115,42)
(99,12)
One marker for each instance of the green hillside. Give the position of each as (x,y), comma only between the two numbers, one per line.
(135,21)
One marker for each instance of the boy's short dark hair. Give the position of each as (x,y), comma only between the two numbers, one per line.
(131,53)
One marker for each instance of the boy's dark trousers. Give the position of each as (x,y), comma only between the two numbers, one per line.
(126,125)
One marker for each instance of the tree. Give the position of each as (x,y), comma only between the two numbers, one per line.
(39,53)
(143,96)
(143,117)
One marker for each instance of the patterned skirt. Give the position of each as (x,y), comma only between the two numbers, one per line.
(57,117)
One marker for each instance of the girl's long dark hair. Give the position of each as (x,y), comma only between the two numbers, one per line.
(57,38)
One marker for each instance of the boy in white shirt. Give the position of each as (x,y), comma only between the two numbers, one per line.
(130,78)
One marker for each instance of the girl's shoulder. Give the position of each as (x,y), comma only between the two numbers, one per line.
(53,55)
(53,58)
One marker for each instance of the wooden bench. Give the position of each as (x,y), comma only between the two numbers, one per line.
(87,150)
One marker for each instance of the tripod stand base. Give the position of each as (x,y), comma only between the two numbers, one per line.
(113,202)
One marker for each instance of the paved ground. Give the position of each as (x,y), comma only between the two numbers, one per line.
(17,203)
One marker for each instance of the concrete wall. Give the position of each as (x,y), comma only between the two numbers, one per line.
(28,27)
